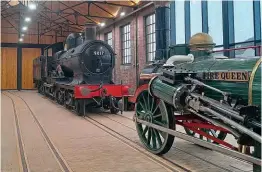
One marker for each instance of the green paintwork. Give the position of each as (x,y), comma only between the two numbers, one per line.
(153,110)
(236,88)
(163,91)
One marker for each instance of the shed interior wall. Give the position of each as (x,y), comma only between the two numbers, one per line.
(9,34)
(127,72)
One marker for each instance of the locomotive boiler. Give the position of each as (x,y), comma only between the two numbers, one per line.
(81,76)
(210,96)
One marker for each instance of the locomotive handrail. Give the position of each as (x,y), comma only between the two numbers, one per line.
(100,86)
(242,48)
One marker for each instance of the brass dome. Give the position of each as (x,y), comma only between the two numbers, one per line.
(201,40)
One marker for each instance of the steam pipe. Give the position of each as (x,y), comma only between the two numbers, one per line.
(233,123)
(224,109)
(202,84)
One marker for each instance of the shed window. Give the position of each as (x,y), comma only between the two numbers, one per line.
(109,38)
(126,44)
(150,37)
(180,21)
(243,21)
(195,17)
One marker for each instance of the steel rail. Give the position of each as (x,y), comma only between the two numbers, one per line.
(212,146)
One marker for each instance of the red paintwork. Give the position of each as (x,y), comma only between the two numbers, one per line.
(195,124)
(141,88)
(212,138)
(113,90)
(201,125)
(187,117)
(242,48)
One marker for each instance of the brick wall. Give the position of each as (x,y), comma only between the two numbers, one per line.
(127,73)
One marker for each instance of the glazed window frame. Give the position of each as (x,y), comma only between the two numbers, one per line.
(150,37)
(125,36)
(109,38)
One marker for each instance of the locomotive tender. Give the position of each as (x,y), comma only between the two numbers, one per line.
(210,96)
(81,76)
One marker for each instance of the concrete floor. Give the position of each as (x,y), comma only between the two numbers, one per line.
(62,141)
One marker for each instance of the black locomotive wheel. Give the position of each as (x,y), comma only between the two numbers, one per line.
(41,89)
(114,110)
(80,107)
(156,111)
(60,98)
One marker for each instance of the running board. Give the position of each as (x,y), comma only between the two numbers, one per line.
(200,142)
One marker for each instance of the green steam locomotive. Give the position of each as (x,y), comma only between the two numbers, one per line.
(208,95)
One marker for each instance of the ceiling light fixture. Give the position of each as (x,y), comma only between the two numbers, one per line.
(24,28)
(21,39)
(22,35)
(122,13)
(13,2)
(27,19)
(102,24)
(32,6)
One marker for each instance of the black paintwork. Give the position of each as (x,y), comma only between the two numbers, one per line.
(90,62)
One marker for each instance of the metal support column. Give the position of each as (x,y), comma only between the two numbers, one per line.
(42,51)
(228,26)
(136,54)
(257,24)
(172,23)
(204,16)
(19,54)
(162,31)
(187,21)
(38,33)
(19,68)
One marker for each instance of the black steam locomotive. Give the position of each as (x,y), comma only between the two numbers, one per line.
(81,76)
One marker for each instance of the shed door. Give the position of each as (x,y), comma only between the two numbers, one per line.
(28,55)
(8,68)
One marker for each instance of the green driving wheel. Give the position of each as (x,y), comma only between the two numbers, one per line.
(156,111)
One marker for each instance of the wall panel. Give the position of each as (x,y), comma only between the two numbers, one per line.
(9,38)
(8,68)
(28,55)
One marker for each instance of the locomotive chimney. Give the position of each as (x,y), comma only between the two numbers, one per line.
(90,32)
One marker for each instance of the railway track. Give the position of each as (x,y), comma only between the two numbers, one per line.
(168,164)
(25,164)
(164,161)
(177,148)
